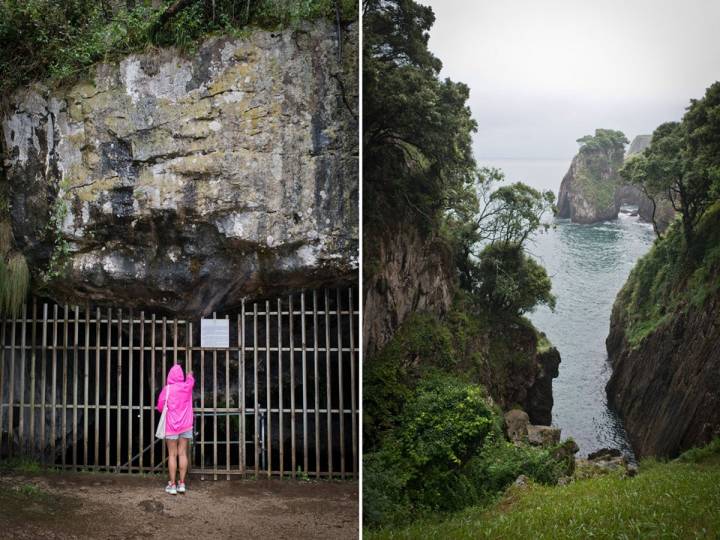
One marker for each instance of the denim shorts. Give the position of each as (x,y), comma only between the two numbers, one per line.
(186,435)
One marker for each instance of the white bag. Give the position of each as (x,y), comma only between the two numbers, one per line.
(160,431)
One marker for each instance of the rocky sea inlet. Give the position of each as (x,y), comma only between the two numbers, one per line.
(588,265)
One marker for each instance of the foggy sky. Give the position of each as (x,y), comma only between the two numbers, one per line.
(543,73)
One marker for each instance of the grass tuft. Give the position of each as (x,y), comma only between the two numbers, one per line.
(16,284)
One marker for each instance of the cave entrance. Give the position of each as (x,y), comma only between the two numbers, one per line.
(78,387)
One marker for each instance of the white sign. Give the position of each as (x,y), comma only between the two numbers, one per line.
(215,333)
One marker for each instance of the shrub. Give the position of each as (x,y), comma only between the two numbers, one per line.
(447,452)
(512,282)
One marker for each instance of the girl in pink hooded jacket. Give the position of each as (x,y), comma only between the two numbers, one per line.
(178,423)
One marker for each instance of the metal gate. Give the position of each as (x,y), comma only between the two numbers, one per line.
(78,387)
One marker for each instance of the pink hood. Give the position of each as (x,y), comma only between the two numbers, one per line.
(180,412)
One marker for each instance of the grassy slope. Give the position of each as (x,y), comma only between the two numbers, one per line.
(679,499)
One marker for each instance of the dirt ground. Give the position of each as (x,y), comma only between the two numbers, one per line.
(90,505)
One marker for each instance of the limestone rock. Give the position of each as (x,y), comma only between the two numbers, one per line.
(543,435)
(566,453)
(184,184)
(604,461)
(516,425)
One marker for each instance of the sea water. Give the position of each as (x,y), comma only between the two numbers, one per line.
(588,264)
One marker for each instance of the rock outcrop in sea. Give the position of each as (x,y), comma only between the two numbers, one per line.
(182,184)
(587,192)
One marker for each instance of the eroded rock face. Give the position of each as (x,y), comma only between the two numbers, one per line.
(184,184)
(412,273)
(667,390)
(587,192)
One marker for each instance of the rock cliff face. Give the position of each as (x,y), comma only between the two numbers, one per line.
(587,192)
(638,144)
(407,273)
(183,184)
(668,389)
(523,375)
(664,343)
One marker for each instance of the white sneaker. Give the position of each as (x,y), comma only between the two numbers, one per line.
(181,487)
(171,489)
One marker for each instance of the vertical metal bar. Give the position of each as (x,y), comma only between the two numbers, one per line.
(64,378)
(76,326)
(142,391)
(292,390)
(304,382)
(164,378)
(227,406)
(153,400)
(353,398)
(118,414)
(2,376)
(255,391)
(108,357)
(316,385)
(21,412)
(175,341)
(241,391)
(33,362)
(268,431)
(188,351)
(53,431)
(202,405)
(281,439)
(86,386)
(11,394)
(341,408)
(215,411)
(97,388)
(131,324)
(328,384)
(188,367)
(43,376)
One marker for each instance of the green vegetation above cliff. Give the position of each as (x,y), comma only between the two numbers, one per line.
(609,141)
(682,164)
(600,158)
(677,499)
(46,39)
(682,270)
(666,281)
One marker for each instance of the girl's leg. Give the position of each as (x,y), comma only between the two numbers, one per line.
(172,446)
(182,457)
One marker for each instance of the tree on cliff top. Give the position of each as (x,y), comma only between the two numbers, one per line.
(608,140)
(417,128)
(683,162)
